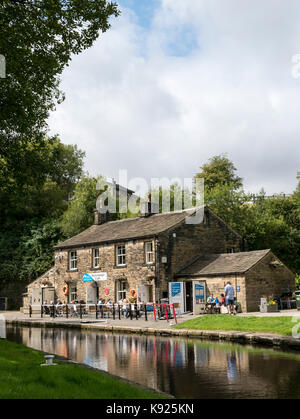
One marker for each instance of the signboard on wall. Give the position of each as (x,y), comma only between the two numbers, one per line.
(97,277)
(176,295)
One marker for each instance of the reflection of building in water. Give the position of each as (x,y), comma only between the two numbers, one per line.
(177,366)
(133,358)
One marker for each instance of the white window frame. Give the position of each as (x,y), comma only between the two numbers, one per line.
(121,291)
(149,254)
(73,293)
(96,258)
(73,260)
(121,257)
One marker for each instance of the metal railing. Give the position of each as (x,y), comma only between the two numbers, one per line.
(101,311)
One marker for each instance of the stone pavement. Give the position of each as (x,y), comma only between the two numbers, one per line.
(140,323)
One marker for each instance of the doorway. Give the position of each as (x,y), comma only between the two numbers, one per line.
(189,296)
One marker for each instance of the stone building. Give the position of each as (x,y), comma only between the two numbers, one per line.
(147,253)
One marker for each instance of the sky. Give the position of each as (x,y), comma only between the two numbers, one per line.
(174,83)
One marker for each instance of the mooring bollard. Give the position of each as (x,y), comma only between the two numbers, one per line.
(67,311)
(42,311)
(114,312)
(96,311)
(30,311)
(146,318)
(49,361)
(80,310)
(119,311)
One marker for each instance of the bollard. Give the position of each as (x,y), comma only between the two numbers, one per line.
(146,318)
(67,311)
(96,311)
(30,311)
(136,311)
(119,311)
(80,310)
(101,309)
(41,310)
(130,312)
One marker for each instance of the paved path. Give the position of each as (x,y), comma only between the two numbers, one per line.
(141,323)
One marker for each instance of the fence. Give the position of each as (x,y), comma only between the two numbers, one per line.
(101,311)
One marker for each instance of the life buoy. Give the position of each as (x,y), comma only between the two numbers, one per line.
(65,290)
(133,293)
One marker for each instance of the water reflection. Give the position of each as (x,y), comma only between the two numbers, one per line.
(184,368)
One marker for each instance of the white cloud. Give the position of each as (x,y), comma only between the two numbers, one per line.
(208,77)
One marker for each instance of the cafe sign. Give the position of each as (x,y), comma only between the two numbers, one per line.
(97,277)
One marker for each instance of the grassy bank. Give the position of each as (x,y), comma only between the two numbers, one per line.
(278,325)
(22,377)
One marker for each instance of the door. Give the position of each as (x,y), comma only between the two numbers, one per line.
(91,294)
(48,295)
(189,296)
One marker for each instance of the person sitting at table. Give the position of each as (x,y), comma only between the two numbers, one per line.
(210,299)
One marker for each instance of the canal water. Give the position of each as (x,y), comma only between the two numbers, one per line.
(181,367)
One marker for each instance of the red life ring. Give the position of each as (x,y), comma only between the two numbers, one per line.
(65,289)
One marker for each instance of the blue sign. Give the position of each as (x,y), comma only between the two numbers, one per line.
(238,289)
(87,278)
(175,289)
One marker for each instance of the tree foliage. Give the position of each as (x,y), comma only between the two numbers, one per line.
(38,39)
(218,171)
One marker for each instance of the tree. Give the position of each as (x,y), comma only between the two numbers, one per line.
(37,184)
(219,171)
(38,39)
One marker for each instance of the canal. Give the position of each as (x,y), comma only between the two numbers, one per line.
(181,367)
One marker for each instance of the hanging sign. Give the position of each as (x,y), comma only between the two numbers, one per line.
(97,277)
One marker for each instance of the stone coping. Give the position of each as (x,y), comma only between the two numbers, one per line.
(265,339)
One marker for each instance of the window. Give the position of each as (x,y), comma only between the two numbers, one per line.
(230,250)
(73,293)
(73,260)
(120,255)
(121,290)
(96,258)
(149,255)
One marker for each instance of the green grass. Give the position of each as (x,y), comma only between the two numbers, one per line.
(22,377)
(278,325)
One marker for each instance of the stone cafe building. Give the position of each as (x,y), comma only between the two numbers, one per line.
(147,254)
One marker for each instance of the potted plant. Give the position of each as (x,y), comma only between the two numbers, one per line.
(272,306)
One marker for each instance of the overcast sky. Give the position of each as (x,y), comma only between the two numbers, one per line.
(175,82)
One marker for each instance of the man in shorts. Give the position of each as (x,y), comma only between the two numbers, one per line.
(229,297)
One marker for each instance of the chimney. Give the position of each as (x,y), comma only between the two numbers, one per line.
(101,218)
(149,208)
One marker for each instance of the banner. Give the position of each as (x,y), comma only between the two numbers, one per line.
(97,277)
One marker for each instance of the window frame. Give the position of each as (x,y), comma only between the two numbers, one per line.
(72,293)
(121,255)
(94,258)
(73,262)
(147,253)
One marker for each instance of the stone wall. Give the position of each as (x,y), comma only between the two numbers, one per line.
(267,280)
(192,240)
(135,273)
(13,292)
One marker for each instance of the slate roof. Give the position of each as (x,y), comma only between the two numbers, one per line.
(129,228)
(220,264)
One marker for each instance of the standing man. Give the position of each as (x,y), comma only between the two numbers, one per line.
(229,297)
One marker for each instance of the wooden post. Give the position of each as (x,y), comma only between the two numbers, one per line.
(67,311)
(96,311)
(80,310)
(30,311)
(119,310)
(146,318)
(114,312)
